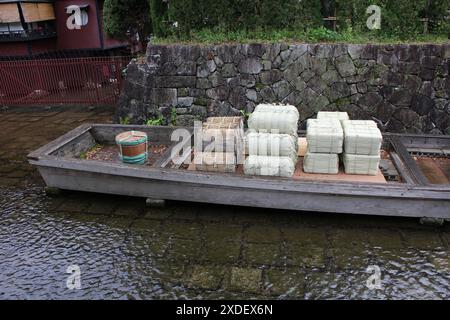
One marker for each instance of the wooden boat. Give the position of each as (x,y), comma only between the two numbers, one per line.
(418,163)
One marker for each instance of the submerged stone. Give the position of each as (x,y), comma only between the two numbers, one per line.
(245,280)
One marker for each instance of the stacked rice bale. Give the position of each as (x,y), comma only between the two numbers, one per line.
(341,116)
(272,141)
(224,144)
(272,118)
(215,161)
(325,139)
(269,166)
(272,144)
(222,132)
(362,147)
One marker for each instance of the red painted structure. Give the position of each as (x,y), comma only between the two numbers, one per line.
(91,81)
(53,35)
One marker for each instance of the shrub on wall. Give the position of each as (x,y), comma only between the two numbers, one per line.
(439,14)
(234,15)
(118,18)
(159,18)
(399,18)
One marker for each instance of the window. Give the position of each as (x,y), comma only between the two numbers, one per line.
(4,28)
(17,26)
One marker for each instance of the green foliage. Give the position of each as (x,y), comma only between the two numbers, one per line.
(121,15)
(159,17)
(399,18)
(208,36)
(322,34)
(124,121)
(155,121)
(173,116)
(245,114)
(278,20)
(238,15)
(438,12)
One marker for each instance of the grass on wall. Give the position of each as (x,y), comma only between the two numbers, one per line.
(209,36)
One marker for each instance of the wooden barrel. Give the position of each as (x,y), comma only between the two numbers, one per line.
(132,147)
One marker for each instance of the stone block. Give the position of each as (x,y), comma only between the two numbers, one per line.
(263,234)
(220,93)
(355,50)
(250,65)
(310,256)
(286,283)
(203,83)
(206,68)
(207,277)
(271,76)
(426,240)
(262,254)
(345,67)
(186,120)
(245,280)
(164,96)
(216,79)
(422,104)
(218,233)
(215,161)
(184,251)
(185,101)
(220,252)
(175,81)
(187,68)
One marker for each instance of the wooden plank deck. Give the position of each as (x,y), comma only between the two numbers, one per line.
(432,170)
(444,165)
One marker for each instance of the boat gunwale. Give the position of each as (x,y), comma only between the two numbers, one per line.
(43,157)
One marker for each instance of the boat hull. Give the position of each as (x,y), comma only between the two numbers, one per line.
(414,198)
(406,203)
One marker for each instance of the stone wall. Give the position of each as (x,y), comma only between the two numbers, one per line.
(405,88)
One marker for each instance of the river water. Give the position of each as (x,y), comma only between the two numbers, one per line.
(125,251)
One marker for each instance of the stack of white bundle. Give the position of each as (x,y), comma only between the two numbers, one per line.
(321,163)
(266,144)
(274,119)
(361,164)
(276,108)
(362,139)
(324,136)
(273,145)
(341,116)
(359,123)
(269,166)
(362,147)
(325,139)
